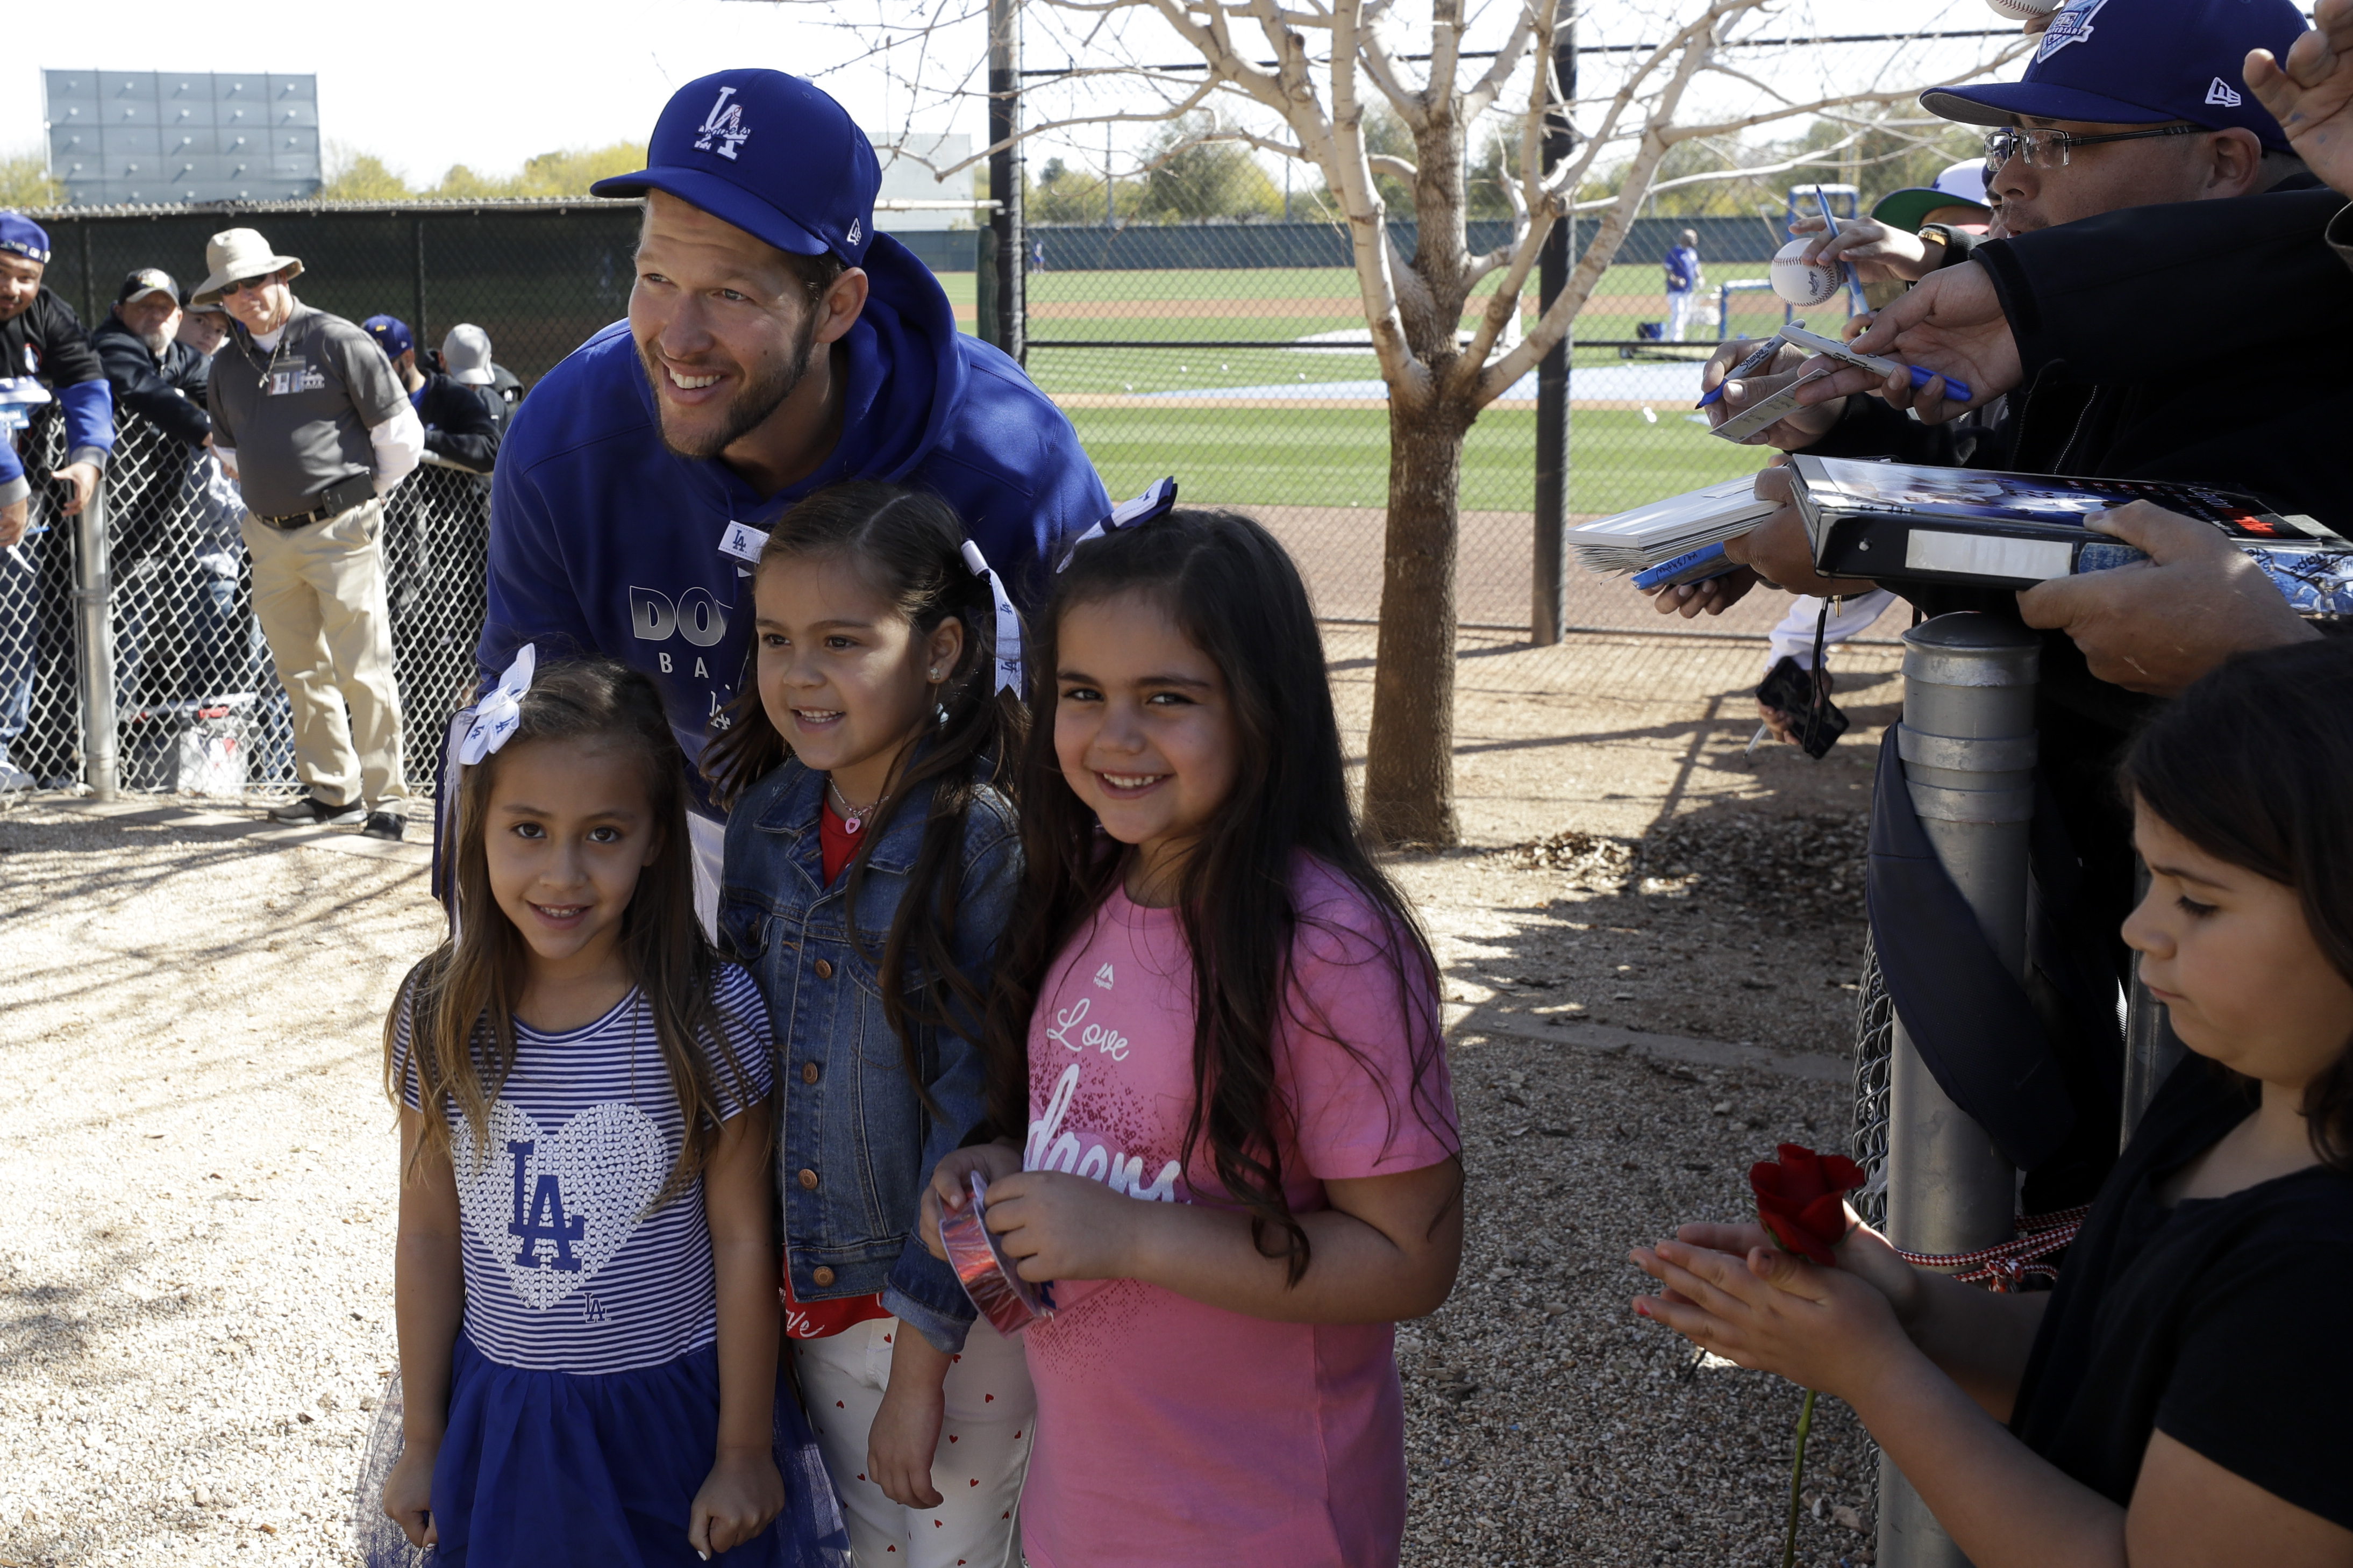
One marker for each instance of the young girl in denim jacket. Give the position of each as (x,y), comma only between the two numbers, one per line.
(871,862)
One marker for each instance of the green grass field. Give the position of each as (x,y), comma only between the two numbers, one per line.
(1339,457)
(1274,455)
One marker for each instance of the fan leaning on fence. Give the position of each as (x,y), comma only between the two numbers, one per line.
(311,422)
(41,346)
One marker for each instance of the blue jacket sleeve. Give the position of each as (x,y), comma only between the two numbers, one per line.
(90,418)
(531,595)
(922,1290)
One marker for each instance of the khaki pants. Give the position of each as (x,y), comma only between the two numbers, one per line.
(319,592)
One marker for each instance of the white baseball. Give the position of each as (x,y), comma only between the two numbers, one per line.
(2025,10)
(1802,282)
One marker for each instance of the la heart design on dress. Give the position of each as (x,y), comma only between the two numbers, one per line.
(556,1210)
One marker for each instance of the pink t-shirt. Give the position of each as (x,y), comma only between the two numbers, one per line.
(1174,1433)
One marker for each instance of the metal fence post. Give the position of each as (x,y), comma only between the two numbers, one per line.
(1006,173)
(94,630)
(1968,746)
(1548,593)
(419,291)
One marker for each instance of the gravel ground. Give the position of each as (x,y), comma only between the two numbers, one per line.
(195,1281)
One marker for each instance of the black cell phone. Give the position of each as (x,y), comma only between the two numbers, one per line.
(1791,689)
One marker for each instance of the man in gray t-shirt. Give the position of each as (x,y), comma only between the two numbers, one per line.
(309,420)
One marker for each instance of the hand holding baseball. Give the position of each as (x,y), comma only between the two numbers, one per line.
(1878,254)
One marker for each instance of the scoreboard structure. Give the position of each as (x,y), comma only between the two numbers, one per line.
(141,138)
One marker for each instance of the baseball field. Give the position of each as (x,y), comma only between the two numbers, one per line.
(1301,421)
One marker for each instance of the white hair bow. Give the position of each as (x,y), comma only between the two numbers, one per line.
(500,711)
(1157,499)
(1008,622)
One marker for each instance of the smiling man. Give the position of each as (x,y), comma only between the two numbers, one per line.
(775,344)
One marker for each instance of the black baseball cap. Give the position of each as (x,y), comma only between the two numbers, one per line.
(145,282)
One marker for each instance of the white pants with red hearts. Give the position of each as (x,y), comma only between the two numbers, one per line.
(983,1454)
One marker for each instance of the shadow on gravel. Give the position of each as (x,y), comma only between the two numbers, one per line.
(57,1324)
(79,871)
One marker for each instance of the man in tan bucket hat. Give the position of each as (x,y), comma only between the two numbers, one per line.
(309,420)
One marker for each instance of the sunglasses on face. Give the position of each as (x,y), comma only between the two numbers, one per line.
(256,284)
(2048,149)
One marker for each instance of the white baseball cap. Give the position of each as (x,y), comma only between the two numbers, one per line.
(466,351)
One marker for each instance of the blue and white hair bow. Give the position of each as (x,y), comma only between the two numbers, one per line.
(1156,500)
(474,733)
(1008,621)
(500,711)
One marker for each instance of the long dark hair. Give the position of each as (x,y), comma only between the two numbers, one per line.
(907,544)
(1238,596)
(461,997)
(2250,764)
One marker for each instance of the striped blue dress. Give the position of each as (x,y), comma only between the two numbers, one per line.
(583,1404)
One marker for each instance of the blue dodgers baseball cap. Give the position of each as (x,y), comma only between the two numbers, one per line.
(2139,62)
(391,334)
(20,235)
(771,153)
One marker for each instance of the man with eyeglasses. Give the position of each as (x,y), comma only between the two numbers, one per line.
(2168,312)
(313,424)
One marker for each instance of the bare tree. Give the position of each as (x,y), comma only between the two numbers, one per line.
(1312,70)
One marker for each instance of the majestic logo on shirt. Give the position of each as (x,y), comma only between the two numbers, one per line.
(1102,977)
(2219,91)
(2073,24)
(553,1211)
(1051,1148)
(724,123)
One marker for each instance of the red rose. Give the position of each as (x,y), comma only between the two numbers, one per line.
(1800,1199)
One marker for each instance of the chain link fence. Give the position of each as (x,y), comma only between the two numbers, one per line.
(196,704)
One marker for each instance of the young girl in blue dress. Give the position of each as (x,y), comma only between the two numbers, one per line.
(2181,1398)
(584,1279)
(871,863)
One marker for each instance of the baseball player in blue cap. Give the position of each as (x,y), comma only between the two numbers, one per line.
(775,343)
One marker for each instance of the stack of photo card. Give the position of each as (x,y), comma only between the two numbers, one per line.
(1894,523)
(1667,529)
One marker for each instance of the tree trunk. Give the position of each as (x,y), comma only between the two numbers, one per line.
(1409,761)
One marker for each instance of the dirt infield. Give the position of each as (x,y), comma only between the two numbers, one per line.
(195,1283)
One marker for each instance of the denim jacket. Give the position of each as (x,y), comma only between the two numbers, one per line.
(854,1144)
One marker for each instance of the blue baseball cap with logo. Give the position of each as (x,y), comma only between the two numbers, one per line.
(771,153)
(20,235)
(2139,62)
(391,334)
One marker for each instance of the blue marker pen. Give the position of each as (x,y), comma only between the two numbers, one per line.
(1692,566)
(1830,228)
(1749,367)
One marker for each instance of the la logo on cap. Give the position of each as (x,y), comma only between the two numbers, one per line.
(2071,25)
(2220,91)
(725,122)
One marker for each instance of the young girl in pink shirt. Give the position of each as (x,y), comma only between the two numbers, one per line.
(1217,1022)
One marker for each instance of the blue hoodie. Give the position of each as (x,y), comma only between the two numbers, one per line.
(602,540)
